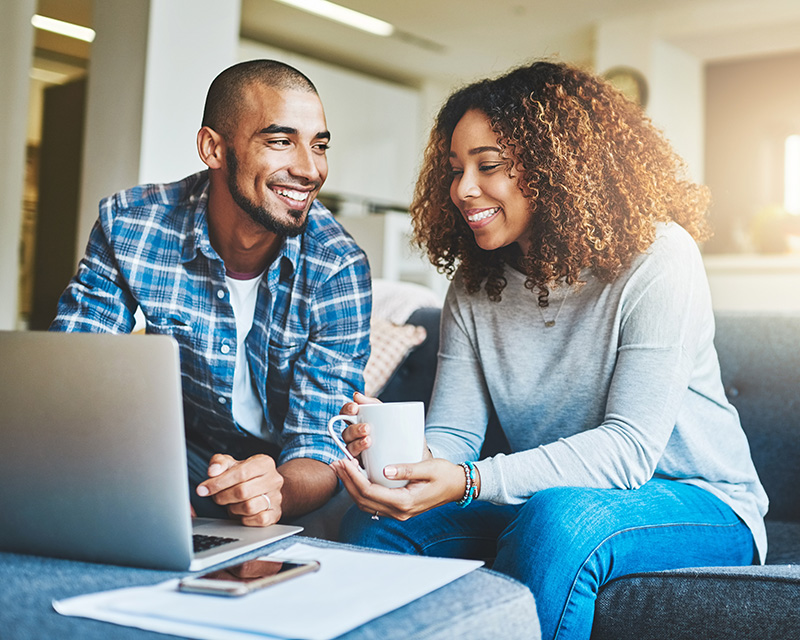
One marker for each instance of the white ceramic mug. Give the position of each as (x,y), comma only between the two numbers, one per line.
(397,431)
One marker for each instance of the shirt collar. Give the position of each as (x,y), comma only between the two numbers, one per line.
(198,239)
(290,251)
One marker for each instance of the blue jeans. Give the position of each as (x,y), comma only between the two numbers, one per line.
(565,543)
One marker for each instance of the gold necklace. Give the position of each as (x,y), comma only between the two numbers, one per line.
(552,323)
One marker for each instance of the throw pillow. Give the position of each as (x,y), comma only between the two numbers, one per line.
(390,345)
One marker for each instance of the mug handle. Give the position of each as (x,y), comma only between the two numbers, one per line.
(336,439)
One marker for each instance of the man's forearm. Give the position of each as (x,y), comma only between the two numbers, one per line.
(307,485)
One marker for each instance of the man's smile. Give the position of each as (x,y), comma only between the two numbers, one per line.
(294,195)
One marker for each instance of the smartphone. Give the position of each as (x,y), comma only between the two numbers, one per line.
(246,577)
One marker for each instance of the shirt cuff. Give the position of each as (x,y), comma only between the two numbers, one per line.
(491,483)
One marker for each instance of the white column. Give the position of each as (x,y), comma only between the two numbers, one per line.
(16,50)
(675,79)
(677,103)
(152,62)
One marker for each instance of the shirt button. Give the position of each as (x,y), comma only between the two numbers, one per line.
(222,400)
(225,348)
(221,294)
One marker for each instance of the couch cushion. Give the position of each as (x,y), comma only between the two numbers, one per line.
(727,602)
(759,356)
(783,542)
(395,301)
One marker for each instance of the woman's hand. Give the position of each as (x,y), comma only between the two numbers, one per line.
(357,436)
(432,483)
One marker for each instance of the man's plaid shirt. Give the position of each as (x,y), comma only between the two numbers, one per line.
(309,343)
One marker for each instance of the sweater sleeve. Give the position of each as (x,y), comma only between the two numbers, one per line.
(665,313)
(460,406)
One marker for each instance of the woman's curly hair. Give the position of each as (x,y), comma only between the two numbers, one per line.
(596,171)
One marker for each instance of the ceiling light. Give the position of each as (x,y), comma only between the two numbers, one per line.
(343,14)
(64,28)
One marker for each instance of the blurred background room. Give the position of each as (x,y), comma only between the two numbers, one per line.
(102,95)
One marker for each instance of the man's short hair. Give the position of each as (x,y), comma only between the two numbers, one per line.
(226,93)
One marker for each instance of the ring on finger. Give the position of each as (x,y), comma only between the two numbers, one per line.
(269,502)
(375,516)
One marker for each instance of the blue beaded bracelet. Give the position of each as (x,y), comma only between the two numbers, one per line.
(471,488)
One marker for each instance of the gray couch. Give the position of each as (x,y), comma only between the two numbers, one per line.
(760,361)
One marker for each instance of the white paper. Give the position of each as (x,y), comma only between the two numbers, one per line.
(350,589)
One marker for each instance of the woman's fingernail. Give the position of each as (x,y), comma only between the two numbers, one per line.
(390,472)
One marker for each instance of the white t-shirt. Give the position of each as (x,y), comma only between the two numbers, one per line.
(247,409)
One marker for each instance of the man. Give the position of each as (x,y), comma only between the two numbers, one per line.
(267,297)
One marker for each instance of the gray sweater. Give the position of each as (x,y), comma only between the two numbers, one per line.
(624,387)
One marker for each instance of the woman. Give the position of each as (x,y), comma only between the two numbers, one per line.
(579,316)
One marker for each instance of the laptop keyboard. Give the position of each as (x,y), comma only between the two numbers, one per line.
(204,543)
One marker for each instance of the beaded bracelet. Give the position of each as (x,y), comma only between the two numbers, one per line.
(471,488)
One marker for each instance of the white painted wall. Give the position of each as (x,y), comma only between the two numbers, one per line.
(112,141)
(376,138)
(624,41)
(677,103)
(16,49)
(151,65)
(185,52)
(674,77)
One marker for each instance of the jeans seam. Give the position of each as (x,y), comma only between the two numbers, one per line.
(627,530)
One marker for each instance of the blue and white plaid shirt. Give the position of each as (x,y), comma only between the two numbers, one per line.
(309,342)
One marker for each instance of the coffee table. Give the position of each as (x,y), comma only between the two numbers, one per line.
(482,604)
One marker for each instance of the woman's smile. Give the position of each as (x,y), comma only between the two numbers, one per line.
(484,190)
(479,217)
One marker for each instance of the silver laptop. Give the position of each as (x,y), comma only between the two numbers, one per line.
(94,457)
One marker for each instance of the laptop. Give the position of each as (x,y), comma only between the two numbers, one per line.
(94,457)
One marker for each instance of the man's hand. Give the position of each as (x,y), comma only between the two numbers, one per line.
(356,437)
(251,489)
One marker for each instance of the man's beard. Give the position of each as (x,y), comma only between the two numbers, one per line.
(260,213)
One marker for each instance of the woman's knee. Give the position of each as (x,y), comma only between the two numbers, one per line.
(553,535)
(555,517)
